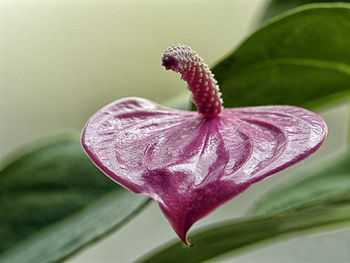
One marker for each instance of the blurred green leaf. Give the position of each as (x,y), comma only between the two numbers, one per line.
(54,201)
(327,183)
(276,7)
(301,58)
(313,212)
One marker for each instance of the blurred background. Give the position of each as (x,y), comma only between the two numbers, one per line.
(63,60)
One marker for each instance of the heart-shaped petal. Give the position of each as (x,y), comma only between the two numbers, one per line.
(190,164)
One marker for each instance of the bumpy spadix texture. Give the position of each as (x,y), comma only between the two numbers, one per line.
(191,164)
(196,73)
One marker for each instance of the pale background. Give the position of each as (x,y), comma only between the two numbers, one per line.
(63,60)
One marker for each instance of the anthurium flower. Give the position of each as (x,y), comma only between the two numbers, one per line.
(192,162)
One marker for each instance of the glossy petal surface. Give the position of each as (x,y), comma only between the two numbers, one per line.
(190,164)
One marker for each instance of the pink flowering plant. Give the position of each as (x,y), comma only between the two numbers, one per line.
(253,115)
(192,162)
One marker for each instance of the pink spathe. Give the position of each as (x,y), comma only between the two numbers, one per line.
(192,162)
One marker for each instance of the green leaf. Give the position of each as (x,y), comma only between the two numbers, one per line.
(237,235)
(54,201)
(314,212)
(276,7)
(327,183)
(301,58)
